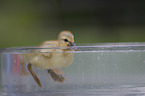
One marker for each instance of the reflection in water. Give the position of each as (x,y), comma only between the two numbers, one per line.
(15,67)
(8,63)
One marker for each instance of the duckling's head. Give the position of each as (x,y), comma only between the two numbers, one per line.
(66,39)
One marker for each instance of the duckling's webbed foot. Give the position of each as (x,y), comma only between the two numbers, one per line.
(56,77)
(34,75)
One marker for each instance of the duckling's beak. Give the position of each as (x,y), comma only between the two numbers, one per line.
(72,44)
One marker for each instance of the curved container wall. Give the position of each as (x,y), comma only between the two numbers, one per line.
(100,69)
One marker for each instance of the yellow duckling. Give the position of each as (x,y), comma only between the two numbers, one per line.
(50,59)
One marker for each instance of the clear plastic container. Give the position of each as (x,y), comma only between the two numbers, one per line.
(107,69)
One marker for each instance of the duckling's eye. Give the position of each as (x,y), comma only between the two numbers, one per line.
(65,40)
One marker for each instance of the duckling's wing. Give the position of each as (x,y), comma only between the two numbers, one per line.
(48,48)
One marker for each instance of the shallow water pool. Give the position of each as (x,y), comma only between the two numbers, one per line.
(112,69)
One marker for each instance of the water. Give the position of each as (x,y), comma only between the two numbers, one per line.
(97,70)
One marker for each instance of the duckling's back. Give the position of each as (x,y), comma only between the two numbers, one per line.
(48,57)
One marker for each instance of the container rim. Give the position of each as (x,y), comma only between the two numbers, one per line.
(86,47)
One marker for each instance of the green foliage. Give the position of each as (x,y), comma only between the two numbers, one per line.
(29,22)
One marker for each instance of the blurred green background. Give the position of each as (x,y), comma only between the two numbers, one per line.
(29,22)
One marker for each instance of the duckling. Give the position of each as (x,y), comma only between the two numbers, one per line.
(50,59)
